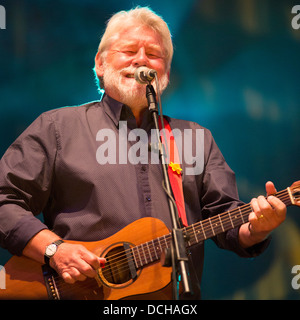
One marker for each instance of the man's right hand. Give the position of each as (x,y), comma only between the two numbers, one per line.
(73,262)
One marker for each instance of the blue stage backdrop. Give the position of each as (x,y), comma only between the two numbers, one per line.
(235,71)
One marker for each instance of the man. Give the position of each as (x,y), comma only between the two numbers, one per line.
(52,167)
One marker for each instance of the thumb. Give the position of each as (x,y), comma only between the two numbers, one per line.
(102,262)
(270,188)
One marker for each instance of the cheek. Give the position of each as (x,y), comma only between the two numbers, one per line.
(159,66)
(118,61)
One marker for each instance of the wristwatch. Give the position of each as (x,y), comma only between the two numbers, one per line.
(51,250)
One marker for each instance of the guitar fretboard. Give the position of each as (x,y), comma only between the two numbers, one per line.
(150,251)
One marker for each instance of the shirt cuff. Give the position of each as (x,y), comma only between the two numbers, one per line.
(26,228)
(251,252)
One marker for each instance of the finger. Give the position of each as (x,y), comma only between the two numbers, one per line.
(67,278)
(270,188)
(94,261)
(278,205)
(86,269)
(265,207)
(102,262)
(256,209)
(76,274)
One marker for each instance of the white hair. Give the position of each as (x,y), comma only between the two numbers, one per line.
(142,16)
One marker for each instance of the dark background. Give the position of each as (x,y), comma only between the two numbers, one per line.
(236,68)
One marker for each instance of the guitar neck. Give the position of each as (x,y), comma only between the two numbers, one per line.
(225,221)
(149,252)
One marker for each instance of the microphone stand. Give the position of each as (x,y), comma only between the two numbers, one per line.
(177,254)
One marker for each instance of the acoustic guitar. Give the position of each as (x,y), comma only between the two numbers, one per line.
(133,269)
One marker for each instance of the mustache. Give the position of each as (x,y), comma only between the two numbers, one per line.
(130,69)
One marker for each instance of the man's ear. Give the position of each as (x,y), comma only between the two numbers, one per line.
(99,65)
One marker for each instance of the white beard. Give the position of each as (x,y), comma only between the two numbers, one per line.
(128,90)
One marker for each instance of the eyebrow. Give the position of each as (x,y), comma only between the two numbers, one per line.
(133,43)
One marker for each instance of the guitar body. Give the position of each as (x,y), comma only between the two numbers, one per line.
(25,279)
(133,269)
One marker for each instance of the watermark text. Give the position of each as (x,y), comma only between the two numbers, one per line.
(133,147)
(296,279)
(2,17)
(296,19)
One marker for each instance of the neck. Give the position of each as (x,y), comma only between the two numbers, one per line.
(138,114)
(137,106)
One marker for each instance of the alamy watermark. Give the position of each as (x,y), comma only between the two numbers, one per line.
(133,147)
(2,17)
(296,279)
(296,19)
(2,278)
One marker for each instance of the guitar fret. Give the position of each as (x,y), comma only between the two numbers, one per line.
(230,219)
(241,215)
(195,234)
(212,228)
(237,219)
(155,249)
(217,224)
(204,235)
(144,253)
(161,250)
(141,254)
(150,255)
(141,261)
(221,223)
(166,241)
(134,257)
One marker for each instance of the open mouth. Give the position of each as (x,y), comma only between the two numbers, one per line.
(129,75)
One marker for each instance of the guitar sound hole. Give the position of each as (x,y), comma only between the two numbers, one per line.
(116,269)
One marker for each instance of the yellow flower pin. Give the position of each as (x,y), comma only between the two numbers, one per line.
(175,167)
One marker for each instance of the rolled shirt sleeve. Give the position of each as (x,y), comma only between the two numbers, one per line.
(26,171)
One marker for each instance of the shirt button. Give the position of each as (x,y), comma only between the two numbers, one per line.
(148,198)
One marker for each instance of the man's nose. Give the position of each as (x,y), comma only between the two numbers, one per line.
(140,58)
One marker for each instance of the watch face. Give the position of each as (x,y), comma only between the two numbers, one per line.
(51,249)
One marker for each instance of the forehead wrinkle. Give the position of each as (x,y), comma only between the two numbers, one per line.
(139,36)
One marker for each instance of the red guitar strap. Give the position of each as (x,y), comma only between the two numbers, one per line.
(174,171)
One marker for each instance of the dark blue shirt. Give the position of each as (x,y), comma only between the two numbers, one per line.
(52,168)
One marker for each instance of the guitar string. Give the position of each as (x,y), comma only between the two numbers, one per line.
(123,253)
(88,285)
(207,227)
(68,289)
(121,268)
(72,289)
(206,224)
(149,248)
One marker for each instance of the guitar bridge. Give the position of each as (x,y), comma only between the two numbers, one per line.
(48,274)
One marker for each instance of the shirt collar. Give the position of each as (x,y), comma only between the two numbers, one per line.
(118,111)
(112,108)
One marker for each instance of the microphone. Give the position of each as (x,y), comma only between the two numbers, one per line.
(144,75)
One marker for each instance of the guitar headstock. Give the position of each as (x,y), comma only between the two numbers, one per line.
(294,190)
